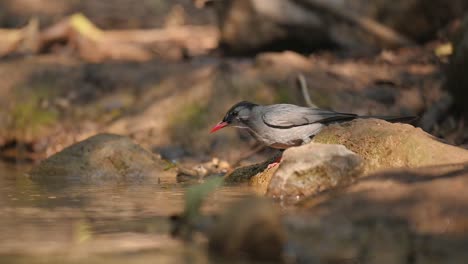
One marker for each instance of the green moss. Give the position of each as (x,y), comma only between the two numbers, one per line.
(29,116)
(327,138)
(244,174)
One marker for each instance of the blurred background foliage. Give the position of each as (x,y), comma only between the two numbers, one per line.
(163,71)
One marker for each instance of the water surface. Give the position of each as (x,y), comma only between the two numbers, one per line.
(113,223)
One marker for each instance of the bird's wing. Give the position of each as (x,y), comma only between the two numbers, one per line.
(287,115)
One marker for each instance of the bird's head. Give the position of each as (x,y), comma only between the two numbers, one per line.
(236,116)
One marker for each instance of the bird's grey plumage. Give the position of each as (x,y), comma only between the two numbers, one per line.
(285,125)
(288,115)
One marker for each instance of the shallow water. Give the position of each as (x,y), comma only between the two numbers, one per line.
(96,224)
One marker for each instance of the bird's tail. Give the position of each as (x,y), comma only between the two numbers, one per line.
(394,119)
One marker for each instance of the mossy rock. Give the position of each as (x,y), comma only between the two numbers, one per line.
(101,158)
(244,174)
(384,145)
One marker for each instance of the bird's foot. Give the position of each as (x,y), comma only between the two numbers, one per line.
(275,163)
(272,165)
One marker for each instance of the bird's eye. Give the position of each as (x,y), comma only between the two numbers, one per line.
(235,113)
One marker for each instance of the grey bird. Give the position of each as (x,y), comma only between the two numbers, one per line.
(286,125)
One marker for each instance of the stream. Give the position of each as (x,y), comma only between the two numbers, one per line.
(96,224)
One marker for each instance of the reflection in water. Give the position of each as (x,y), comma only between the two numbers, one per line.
(95,224)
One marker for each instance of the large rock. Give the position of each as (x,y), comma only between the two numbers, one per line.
(314,167)
(385,145)
(101,158)
(390,217)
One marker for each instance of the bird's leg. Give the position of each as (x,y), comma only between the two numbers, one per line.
(275,162)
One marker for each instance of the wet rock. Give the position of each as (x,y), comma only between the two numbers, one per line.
(251,228)
(101,158)
(457,79)
(257,176)
(244,174)
(260,181)
(312,168)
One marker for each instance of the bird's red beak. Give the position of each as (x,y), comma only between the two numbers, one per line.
(218,126)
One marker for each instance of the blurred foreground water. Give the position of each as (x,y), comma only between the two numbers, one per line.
(96,224)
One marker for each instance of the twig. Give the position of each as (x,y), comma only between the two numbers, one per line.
(302,84)
(380,31)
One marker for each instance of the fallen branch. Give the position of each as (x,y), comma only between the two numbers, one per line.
(385,34)
(95,45)
(24,40)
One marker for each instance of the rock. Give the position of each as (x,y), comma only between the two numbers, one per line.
(251,228)
(389,217)
(457,79)
(260,181)
(385,145)
(312,168)
(244,174)
(258,176)
(101,158)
